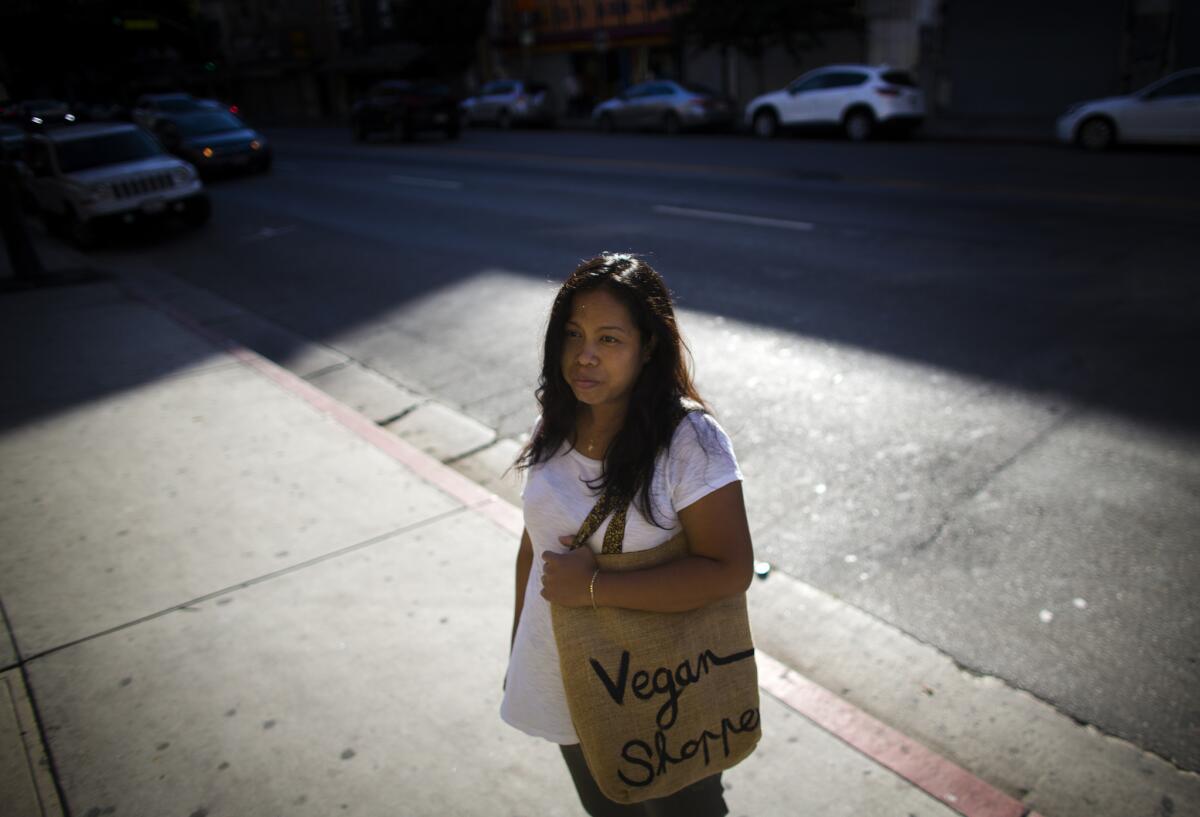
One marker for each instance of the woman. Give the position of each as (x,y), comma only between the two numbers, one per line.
(618,408)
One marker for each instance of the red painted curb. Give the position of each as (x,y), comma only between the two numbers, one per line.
(939,777)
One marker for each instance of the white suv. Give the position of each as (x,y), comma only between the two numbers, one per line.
(860,99)
(92,174)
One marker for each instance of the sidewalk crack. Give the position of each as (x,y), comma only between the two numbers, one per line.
(190,604)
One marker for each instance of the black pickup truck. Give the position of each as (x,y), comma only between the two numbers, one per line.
(404,108)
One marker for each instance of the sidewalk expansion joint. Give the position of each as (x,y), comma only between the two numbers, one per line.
(191,604)
(471,452)
(333,367)
(387,421)
(39,723)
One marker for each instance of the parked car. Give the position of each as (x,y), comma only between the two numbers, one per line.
(861,100)
(1164,112)
(101,174)
(38,114)
(508,102)
(404,108)
(665,105)
(149,107)
(214,141)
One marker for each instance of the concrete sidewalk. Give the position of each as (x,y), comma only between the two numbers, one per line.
(224,602)
(227,593)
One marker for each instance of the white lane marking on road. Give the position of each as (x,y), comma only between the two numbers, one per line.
(737,218)
(416,181)
(269,232)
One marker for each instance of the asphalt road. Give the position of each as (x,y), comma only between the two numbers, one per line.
(960,378)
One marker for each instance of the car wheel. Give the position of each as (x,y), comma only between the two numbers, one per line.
(360,132)
(671,124)
(766,124)
(1096,133)
(82,233)
(504,119)
(859,125)
(264,166)
(607,125)
(402,130)
(452,131)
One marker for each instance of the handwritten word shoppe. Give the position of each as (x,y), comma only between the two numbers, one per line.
(644,759)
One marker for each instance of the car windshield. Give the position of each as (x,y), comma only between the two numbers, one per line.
(205,123)
(106,149)
(898,78)
(698,89)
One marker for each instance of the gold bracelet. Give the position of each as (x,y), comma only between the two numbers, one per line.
(592,588)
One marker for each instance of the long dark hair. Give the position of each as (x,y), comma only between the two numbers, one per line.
(662,394)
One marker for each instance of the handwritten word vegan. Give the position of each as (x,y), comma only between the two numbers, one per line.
(645,685)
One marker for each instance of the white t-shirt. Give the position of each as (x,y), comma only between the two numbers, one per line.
(556,503)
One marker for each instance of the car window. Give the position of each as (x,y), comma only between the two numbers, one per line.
(106,149)
(1188,85)
(843,79)
(638,90)
(500,87)
(810,83)
(661,89)
(898,78)
(696,88)
(202,124)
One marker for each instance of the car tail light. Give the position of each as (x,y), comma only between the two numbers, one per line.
(233,108)
(888,90)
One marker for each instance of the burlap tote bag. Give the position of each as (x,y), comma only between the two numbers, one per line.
(658,700)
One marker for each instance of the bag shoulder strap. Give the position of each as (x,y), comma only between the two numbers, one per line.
(614,536)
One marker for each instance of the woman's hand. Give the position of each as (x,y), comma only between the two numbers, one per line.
(566,577)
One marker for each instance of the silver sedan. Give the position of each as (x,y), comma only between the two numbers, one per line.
(664,105)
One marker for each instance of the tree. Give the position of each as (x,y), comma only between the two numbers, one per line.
(753,26)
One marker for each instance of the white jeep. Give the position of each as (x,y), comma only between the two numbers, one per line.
(84,177)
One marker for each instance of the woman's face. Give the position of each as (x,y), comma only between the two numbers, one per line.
(602,350)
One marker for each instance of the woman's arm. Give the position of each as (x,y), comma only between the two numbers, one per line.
(721,564)
(524,563)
